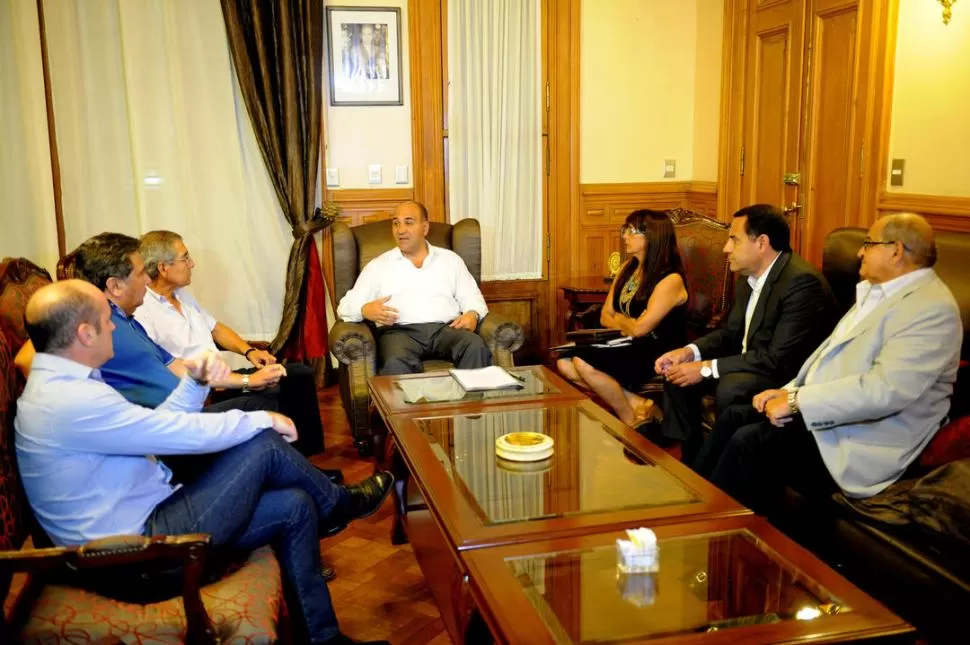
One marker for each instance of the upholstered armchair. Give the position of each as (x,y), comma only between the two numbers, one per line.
(353,343)
(242,606)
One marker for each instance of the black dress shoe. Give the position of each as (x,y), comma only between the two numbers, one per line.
(365,497)
(333,474)
(343,639)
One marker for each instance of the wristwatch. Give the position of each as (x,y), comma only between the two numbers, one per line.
(245,383)
(793,402)
(706,370)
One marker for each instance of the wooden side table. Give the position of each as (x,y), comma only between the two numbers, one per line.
(583,296)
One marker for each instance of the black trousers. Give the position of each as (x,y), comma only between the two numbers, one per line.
(683,406)
(402,348)
(295,396)
(759,460)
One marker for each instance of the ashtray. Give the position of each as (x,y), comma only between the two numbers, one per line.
(524,446)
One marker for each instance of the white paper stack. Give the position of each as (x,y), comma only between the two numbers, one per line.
(492,377)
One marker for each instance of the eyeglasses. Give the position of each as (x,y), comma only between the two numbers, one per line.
(187,258)
(630,230)
(868,243)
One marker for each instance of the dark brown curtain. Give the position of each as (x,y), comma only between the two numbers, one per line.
(277,50)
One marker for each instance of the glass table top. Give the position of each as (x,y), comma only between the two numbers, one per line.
(591,470)
(439,387)
(705,583)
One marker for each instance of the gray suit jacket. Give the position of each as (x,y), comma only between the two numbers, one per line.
(880,393)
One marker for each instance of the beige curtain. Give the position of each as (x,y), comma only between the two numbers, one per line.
(495,131)
(26,189)
(152,133)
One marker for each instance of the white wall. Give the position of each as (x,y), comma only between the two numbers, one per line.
(649,89)
(931,99)
(358,136)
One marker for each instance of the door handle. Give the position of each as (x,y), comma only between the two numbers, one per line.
(791,208)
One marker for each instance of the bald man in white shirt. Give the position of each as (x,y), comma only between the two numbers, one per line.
(422,299)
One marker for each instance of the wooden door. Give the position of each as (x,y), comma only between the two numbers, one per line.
(774,45)
(838,37)
(804,76)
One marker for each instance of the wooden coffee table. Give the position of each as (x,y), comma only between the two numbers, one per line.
(728,580)
(454,495)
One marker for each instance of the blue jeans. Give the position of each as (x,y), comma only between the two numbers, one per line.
(257,493)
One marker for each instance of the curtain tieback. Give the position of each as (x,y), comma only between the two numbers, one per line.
(317,222)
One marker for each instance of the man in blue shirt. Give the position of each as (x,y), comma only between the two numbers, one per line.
(85,456)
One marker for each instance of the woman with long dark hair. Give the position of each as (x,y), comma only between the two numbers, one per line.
(646,302)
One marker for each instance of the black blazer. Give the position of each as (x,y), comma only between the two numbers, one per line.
(794,314)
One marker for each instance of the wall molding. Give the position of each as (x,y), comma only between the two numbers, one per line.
(944,212)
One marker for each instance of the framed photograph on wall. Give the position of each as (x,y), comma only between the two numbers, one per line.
(364,55)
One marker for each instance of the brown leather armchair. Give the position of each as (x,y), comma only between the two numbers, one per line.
(353,343)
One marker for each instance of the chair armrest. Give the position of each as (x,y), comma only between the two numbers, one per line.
(190,550)
(350,341)
(501,332)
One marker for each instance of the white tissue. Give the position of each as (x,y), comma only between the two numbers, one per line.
(639,554)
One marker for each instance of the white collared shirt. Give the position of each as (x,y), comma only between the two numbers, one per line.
(868,296)
(182,334)
(440,291)
(757,285)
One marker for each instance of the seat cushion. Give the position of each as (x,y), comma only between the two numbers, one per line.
(244,607)
(951,443)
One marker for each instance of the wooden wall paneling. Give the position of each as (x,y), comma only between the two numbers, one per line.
(360,206)
(427,104)
(702,198)
(525,302)
(944,213)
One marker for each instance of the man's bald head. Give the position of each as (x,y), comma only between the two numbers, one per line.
(55,312)
(914,233)
(412,208)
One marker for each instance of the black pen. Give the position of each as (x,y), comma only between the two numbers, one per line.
(520,379)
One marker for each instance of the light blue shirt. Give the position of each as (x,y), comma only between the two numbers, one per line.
(84,452)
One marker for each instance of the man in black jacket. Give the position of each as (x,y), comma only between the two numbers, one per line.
(782,310)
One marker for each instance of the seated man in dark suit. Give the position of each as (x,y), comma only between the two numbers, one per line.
(422,299)
(782,309)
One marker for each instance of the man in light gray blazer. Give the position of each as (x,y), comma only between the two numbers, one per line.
(870,398)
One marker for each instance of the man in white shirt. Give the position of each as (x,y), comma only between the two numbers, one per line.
(86,457)
(422,300)
(865,404)
(174,319)
(782,309)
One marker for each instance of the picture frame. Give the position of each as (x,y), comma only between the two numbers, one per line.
(364,56)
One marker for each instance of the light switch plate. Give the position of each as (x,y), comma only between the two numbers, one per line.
(333,178)
(374,174)
(400,174)
(896,174)
(670,167)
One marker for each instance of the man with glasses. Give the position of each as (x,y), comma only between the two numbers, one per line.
(865,404)
(782,309)
(174,320)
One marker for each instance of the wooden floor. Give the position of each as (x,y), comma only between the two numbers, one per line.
(379,592)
